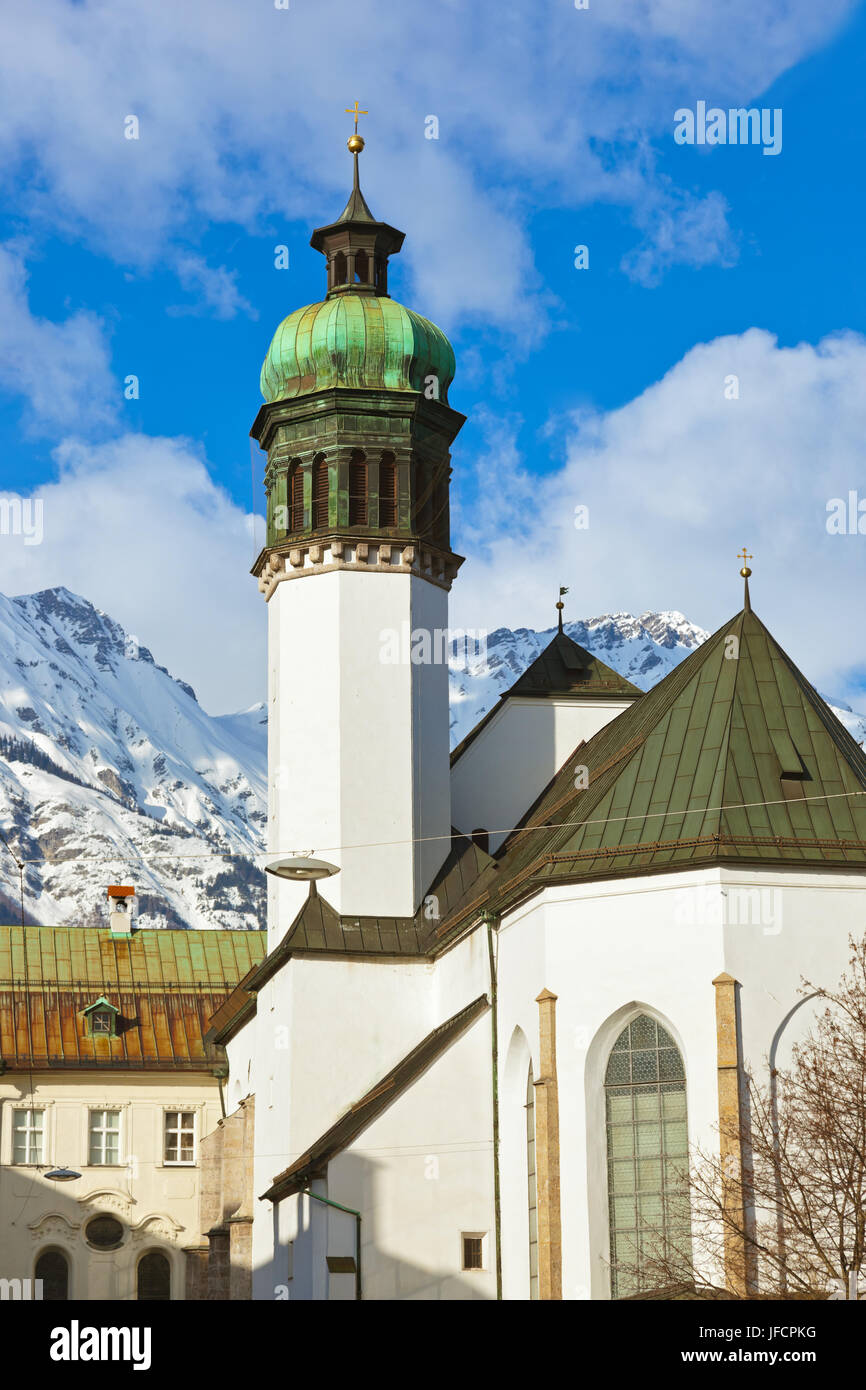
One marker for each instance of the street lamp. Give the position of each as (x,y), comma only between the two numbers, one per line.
(300,868)
(62,1174)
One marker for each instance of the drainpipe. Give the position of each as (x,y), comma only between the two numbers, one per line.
(350,1211)
(221,1074)
(489,918)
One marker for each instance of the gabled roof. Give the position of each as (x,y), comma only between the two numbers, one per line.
(733,757)
(564,669)
(164,986)
(370,1106)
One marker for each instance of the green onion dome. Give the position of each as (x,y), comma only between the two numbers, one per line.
(359,340)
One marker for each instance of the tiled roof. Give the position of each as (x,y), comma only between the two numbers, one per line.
(370,1106)
(166,985)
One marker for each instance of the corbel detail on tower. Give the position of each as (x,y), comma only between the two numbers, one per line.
(322,555)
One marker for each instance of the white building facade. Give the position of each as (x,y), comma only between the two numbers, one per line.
(482,1052)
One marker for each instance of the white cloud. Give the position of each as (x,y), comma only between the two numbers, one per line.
(676,482)
(241,120)
(138,527)
(216,287)
(62,369)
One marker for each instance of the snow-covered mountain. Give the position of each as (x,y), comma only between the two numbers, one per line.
(643,649)
(110,770)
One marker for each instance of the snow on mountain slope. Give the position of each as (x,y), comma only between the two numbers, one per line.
(112,772)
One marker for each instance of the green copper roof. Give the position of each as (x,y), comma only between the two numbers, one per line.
(356,340)
(735,726)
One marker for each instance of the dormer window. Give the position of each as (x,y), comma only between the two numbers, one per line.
(101,1019)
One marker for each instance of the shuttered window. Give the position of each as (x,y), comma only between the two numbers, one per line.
(320,494)
(388,491)
(296,499)
(358,491)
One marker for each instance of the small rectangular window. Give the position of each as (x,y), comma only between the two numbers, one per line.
(104,1137)
(473,1250)
(28,1128)
(179,1136)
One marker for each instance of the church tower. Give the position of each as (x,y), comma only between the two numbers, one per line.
(356,571)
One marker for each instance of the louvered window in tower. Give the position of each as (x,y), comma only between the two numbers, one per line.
(357,490)
(388,491)
(296,498)
(320,493)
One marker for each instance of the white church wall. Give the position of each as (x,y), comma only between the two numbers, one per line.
(327,1031)
(780,927)
(611,950)
(359,759)
(422,1174)
(511,761)
(607,951)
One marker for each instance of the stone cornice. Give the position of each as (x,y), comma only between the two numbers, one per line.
(301,558)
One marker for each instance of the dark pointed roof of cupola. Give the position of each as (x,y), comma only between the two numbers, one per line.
(566,668)
(356,216)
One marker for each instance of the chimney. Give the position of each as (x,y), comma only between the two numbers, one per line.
(120,911)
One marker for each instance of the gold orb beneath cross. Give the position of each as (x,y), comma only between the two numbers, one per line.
(745,571)
(355,143)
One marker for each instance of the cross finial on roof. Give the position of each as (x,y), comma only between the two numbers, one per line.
(745,572)
(356,141)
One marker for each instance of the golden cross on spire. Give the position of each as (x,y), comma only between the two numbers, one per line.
(354,111)
(745,571)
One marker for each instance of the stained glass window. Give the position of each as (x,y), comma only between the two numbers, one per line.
(647,1156)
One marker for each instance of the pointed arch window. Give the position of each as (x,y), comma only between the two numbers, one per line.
(532,1193)
(320,492)
(361,267)
(296,497)
(340,269)
(388,490)
(647,1156)
(357,489)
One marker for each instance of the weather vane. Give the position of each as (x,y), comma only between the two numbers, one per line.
(356,141)
(560,605)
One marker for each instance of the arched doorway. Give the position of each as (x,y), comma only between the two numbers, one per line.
(52,1268)
(153,1278)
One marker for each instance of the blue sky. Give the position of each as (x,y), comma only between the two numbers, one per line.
(601,387)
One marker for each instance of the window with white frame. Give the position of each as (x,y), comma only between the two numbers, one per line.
(104,1137)
(28,1131)
(179,1136)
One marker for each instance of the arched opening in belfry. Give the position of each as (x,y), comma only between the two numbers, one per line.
(340,269)
(320,492)
(388,490)
(361,267)
(296,496)
(357,489)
